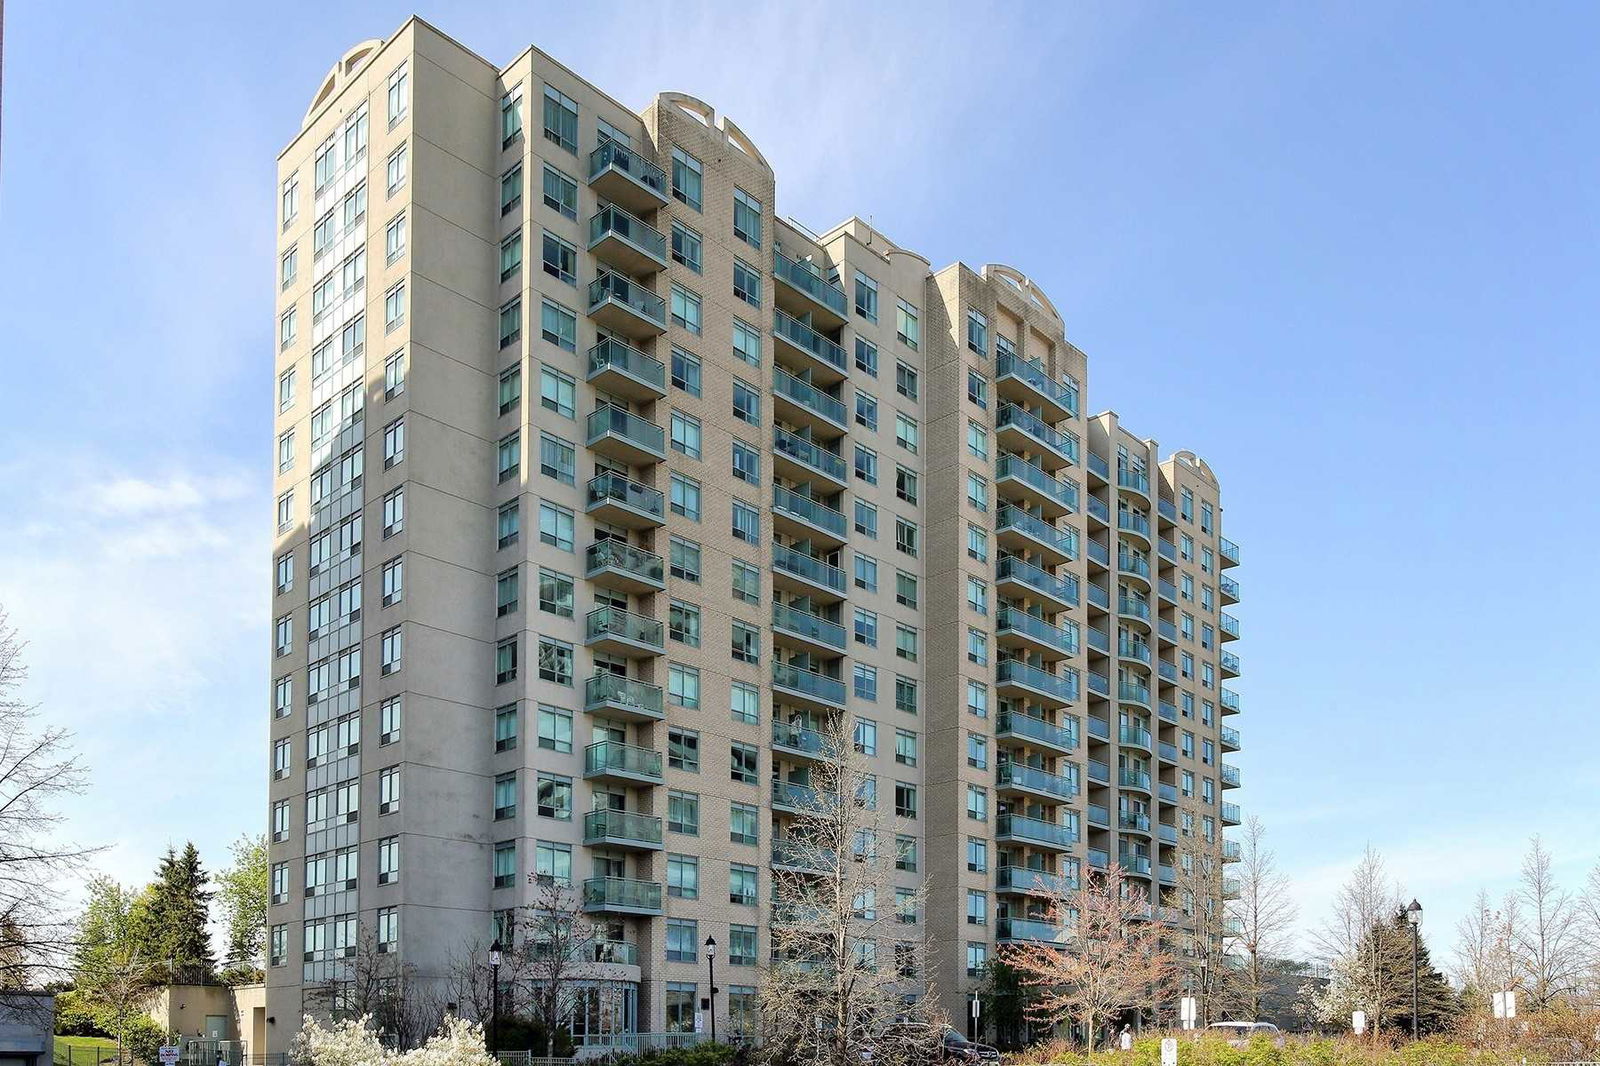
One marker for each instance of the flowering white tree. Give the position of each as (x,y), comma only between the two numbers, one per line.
(355,1043)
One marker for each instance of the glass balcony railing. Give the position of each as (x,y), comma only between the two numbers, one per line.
(1229,661)
(1099,858)
(1230,888)
(1099,640)
(1031,929)
(1228,624)
(1098,770)
(809,396)
(629,293)
(608,825)
(611,487)
(795,796)
(1134,735)
(615,757)
(1166,509)
(613,952)
(1060,589)
(1098,508)
(1229,550)
(1099,815)
(796,737)
(812,627)
(1035,830)
(624,625)
(1168,711)
(1229,587)
(1099,684)
(1167,752)
(1064,396)
(810,454)
(1134,649)
(1063,493)
(1229,699)
(1099,596)
(808,281)
(1020,776)
(620,556)
(1230,737)
(1168,631)
(1064,445)
(809,683)
(1232,851)
(1129,563)
(1168,671)
(809,340)
(1130,778)
(613,156)
(1133,607)
(1132,478)
(621,893)
(1013,620)
(1099,728)
(1099,553)
(1230,814)
(1022,879)
(1133,821)
(1133,692)
(1167,833)
(1168,590)
(609,420)
(1014,671)
(1135,864)
(813,512)
(1167,550)
(612,354)
(1099,467)
(613,221)
(607,690)
(1133,523)
(1026,727)
(803,566)
(1168,793)
(1062,541)
(802,856)
(1229,776)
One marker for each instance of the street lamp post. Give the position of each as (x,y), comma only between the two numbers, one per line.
(494,998)
(711,977)
(1414,919)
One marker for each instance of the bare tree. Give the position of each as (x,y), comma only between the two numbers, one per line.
(1262,917)
(1362,977)
(1486,950)
(1109,956)
(842,970)
(1549,941)
(1206,967)
(1589,916)
(38,769)
(559,950)
(373,983)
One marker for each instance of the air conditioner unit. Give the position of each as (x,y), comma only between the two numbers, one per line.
(351,816)
(385,877)
(350,885)
(388,808)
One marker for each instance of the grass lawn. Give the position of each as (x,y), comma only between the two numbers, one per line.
(83,1050)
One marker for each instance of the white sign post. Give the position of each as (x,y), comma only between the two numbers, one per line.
(1358,1022)
(1169,1051)
(699,1021)
(167,1054)
(1505,1005)
(1126,1043)
(1188,1012)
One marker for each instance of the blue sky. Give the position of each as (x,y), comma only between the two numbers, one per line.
(1345,252)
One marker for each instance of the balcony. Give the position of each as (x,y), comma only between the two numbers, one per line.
(1138,865)
(622,829)
(618,501)
(1134,565)
(1168,631)
(1098,596)
(1017,627)
(1167,510)
(1133,480)
(812,632)
(804,518)
(625,437)
(1099,640)
(1229,776)
(1166,874)
(1099,729)
(1167,751)
(1229,626)
(1022,480)
(796,798)
(1053,788)
(1098,858)
(1232,851)
(1166,549)
(1130,522)
(1027,384)
(621,895)
(1100,685)
(613,631)
(1033,882)
(1167,833)
(1133,822)
(1098,770)
(1168,712)
(800,742)
(1133,607)
(1015,677)
(623,370)
(1031,929)
(1099,816)
(807,687)
(1228,700)
(621,175)
(622,305)
(1098,509)
(1167,590)
(1133,692)
(805,858)
(1229,737)
(803,404)
(817,354)
(1230,888)
(1131,778)
(1229,589)
(1020,579)
(621,240)
(1168,672)
(617,565)
(1020,431)
(1230,814)
(612,953)
(618,763)
(1229,551)
(804,290)
(1015,828)
(1099,554)
(799,459)
(1014,726)
(1133,735)
(1229,663)
(621,697)
(1020,531)
(1098,467)
(1168,793)
(798,572)
(1137,650)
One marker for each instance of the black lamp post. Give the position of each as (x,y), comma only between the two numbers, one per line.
(494,998)
(711,977)
(1414,919)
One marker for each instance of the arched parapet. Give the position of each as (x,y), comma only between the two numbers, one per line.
(342,71)
(706,115)
(1197,464)
(1024,284)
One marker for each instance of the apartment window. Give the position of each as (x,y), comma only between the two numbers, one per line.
(511,188)
(557,459)
(505,864)
(977,492)
(906,537)
(742,882)
(977,804)
(560,119)
(1186,505)
(556,526)
(557,391)
(745,702)
(686,246)
(866,519)
(394,512)
(286,382)
(394,375)
(977,390)
(683,812)
(905,589)
(553,862)
(558,326)
(288,267)
(685,371)
(554,797)
(864,682)
(685,309)
(555,593)
(560,191)
(511,256)
(395,170)
(505,728)
(393,581)
(280,758)
(683,686)
(866,356)
(282,697)
(905,381)
(906,325)
(746,403)
(906,432)
(866,464)
(746,643)
(744,763)
(685,434)
(555,661)
(905,484)
(746,343)
(510,116)
(558,258)
(286,328)
(977,751)
(866,297)
(508,524)
(977,699)
(684,559)
(683,623)
(291,199)
(505,661)
(905,853)
(389,790)
(867,410)
(977,907)
(866,572)
(389,713)
(746,582)
(686,178)
(683,937)
(977,646)
(555,729)
(394,239)
(746,218)
(866,627)
(744,824)
(977,332)
(905,800)
(905,695)
(977,596)
(1207,517)
(747,283)
(746,523)
(511,323)
(505,796)
(905,642)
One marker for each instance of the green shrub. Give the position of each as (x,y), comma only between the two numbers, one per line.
(704,1054)
(76,1016)
(143,1037)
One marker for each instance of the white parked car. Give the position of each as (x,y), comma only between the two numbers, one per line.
(1240,1034)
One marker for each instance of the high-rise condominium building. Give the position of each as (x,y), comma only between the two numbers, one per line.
(601,487)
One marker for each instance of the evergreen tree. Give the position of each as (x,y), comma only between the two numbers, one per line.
(174,920)
(1437,1002)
